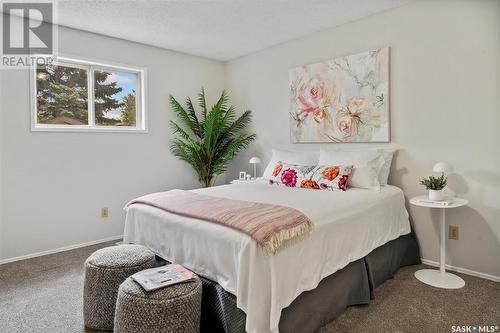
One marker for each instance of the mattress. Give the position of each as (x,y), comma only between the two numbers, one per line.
(347,226)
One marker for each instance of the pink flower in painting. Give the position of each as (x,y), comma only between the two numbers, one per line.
(289,177)
(343,182)
(313,97)
(347,128)
(347,119)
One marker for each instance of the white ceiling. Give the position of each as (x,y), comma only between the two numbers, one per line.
(216,29)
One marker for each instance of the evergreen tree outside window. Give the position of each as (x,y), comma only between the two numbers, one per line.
(62,93)
(80,95)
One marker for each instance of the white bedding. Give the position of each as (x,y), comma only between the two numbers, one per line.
(348,225)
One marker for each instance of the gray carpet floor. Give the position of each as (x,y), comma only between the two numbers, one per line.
(44,294)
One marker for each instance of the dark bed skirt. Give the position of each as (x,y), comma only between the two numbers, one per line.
(352,285)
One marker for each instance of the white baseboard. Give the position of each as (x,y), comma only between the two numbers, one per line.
(61,249)
(463,270)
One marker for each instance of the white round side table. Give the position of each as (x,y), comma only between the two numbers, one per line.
(440,278)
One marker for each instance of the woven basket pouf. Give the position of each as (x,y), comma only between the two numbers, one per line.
(105,270)
(173,309)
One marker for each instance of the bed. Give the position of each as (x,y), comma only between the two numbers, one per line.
(349,228)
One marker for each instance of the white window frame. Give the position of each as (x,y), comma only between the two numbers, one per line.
(91,66)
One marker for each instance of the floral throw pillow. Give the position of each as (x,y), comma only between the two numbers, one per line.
(313,177)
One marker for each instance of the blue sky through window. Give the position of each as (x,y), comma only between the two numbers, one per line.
(128,83)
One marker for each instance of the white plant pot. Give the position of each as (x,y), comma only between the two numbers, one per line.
(436,195)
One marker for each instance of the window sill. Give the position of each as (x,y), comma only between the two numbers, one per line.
(80,129)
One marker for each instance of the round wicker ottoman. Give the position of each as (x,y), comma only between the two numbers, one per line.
(174,309)
(105,270)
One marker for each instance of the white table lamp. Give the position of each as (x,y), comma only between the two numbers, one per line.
(254,160)
(442,167)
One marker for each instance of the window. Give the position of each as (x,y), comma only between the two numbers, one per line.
(77,95)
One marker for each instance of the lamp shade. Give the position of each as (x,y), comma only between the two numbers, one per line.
(254,160)
(441,167)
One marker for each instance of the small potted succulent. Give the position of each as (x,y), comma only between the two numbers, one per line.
(435,186)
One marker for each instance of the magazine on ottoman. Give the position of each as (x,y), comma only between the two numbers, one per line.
(164,276)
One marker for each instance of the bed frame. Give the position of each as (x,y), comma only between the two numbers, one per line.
(352,285)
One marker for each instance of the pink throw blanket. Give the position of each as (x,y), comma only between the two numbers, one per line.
(273,227)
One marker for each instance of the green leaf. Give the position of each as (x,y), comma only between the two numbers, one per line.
(182,114)
(434,183)
(203,104)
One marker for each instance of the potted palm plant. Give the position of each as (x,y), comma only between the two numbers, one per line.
(435,186)
(208,141)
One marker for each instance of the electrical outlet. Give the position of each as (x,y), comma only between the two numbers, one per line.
(453,232)
(104,212)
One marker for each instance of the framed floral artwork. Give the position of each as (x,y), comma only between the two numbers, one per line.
(341,100)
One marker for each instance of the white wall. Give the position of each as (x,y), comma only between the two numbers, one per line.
(54,184)
(445,102)
(445,106)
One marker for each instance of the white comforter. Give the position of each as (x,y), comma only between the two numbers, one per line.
(348,225)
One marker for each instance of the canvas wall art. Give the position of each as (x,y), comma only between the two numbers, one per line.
(341,100)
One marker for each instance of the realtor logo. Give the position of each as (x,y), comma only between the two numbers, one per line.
(29,33)
(32,35)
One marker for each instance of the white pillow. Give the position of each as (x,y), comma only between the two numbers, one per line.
(357,158)
(367,166)
(385,169)
(290,157)
(364,177)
